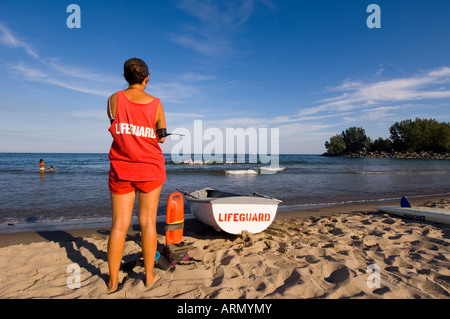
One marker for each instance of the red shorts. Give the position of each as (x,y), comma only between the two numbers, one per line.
(119,186)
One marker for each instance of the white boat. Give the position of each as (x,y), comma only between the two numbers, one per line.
(232,213)
(430,214)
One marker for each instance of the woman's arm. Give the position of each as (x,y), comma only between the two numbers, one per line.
(160,121)
(111,106)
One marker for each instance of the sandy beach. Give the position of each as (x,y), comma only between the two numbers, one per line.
(334,253)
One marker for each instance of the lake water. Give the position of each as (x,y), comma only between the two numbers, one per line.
(77,192)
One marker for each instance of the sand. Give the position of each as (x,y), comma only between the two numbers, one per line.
(338,252)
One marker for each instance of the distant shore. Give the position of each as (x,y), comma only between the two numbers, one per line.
(397,155)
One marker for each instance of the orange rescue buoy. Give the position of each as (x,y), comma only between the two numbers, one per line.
(174,219)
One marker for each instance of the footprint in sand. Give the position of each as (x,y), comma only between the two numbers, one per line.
(339,275)
(312,259)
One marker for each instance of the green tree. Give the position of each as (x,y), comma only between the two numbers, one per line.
(442,138)
(420,135)
(355,139)
(335,145)
(400,134)
(381,145)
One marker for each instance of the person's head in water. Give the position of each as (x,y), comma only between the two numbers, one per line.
(135,71)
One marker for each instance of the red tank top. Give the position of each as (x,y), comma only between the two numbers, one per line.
(135,154)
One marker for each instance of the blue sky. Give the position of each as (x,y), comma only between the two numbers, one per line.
(310,68)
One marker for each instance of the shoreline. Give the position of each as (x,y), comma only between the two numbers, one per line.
(392,155)
(39,235)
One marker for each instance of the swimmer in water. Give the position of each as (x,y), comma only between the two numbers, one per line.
(42,166)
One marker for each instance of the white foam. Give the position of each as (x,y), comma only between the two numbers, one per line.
(241,172)
(272,169)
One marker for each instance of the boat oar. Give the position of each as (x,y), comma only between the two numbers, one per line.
(264,196)
(186,193)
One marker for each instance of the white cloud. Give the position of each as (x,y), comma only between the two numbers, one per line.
(218,23)
(195,77)
(373,104)
(359,95)
(7,38)
(173,92)
(227,14)
(79,72)
(184,115)
(207,45)
(91,114)
(56,77)
(84,80)
(52,71)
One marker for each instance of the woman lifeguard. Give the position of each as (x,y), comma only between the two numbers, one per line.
(137,166)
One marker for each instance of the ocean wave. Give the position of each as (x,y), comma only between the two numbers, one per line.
(195,171)
(254,171)
(271,169)
(74,171)
(194,163)
(235,162)
(294,162)
(400,172)
(241,172)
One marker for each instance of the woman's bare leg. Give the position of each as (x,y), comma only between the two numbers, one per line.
(148,207)
(122,209)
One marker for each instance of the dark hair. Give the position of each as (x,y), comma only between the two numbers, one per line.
(135,71)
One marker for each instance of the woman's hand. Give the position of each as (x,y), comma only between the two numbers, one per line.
(161,140)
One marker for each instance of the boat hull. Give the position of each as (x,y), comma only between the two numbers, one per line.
(235,214)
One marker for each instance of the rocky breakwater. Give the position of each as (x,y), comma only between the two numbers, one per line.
(400,155)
